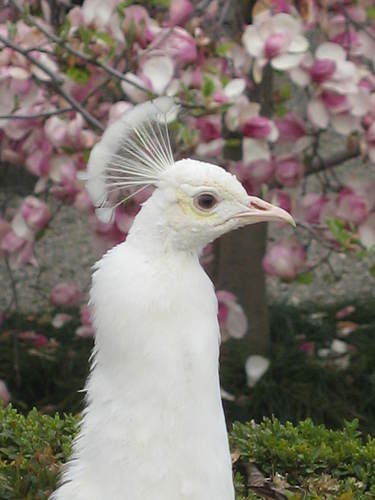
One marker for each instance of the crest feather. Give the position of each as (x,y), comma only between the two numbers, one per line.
(131,155)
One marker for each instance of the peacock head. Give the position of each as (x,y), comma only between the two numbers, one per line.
(194,202)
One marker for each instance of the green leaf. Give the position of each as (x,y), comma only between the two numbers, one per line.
(371,13)
(223,48)
(12,30)
(372,270)
(306,278)
(78,74)
(106,38)
(280,110)
(285,92)
(208,87)
(233,142)
(338,230)
(86,35)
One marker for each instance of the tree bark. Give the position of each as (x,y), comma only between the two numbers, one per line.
(239,270)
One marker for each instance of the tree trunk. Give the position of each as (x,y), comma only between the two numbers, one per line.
(239,270)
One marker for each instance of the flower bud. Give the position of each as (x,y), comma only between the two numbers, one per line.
(322,69)
(285,259)
(35,212)
(289,172)
(275,45)
(257,127)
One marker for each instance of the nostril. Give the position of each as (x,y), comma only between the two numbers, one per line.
(258,206)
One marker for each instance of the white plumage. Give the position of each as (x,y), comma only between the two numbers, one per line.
(154,427)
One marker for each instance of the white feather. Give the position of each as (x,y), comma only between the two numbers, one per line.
(132,154)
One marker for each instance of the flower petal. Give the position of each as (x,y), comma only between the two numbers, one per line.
(286,61)
(344,123)
(299,44)
(317,113)
(159,70)
(253,149)
(329,50)
(252,41)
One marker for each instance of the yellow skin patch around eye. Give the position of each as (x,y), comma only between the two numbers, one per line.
(188,207)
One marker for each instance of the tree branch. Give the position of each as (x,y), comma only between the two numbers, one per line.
(91,60)
(56,82)
(318,163)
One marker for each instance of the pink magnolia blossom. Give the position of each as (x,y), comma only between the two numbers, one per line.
(339,99)
(137,19)
(280,198)
(86,315)
(261,171)
(351,207)
(175,43)
(288,171)
(83,202)
(4,393)
(55,129)
(5,227)
(123,220)
(211,149)
(209,127)
(368,142)
(313,204)
(307,347)
(117,109)
(344,312)
(38,162)
(277,39)
(259,127)
(38,340)
(179,11)
(64,174)
(285,259)
(35,212)
(232,319)
(65,294)
(11,242)
(60,319)
(86,330)
(366,232)
(157,72)
(18,248)
(322,69)
(290,127)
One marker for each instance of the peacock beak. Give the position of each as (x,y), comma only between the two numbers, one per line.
(262,211)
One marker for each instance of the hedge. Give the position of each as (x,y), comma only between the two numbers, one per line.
(271,459)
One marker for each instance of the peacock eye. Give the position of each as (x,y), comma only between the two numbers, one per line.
(205,201)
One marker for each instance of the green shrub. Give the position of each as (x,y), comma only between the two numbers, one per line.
(32,449)
(47,377)
(305,461)
(308,461)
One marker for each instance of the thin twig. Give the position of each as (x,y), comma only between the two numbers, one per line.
(317,165)
(43,114)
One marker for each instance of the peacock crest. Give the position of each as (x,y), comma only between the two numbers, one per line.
(131,156)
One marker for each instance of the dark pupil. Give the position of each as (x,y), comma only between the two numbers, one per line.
(206,201)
